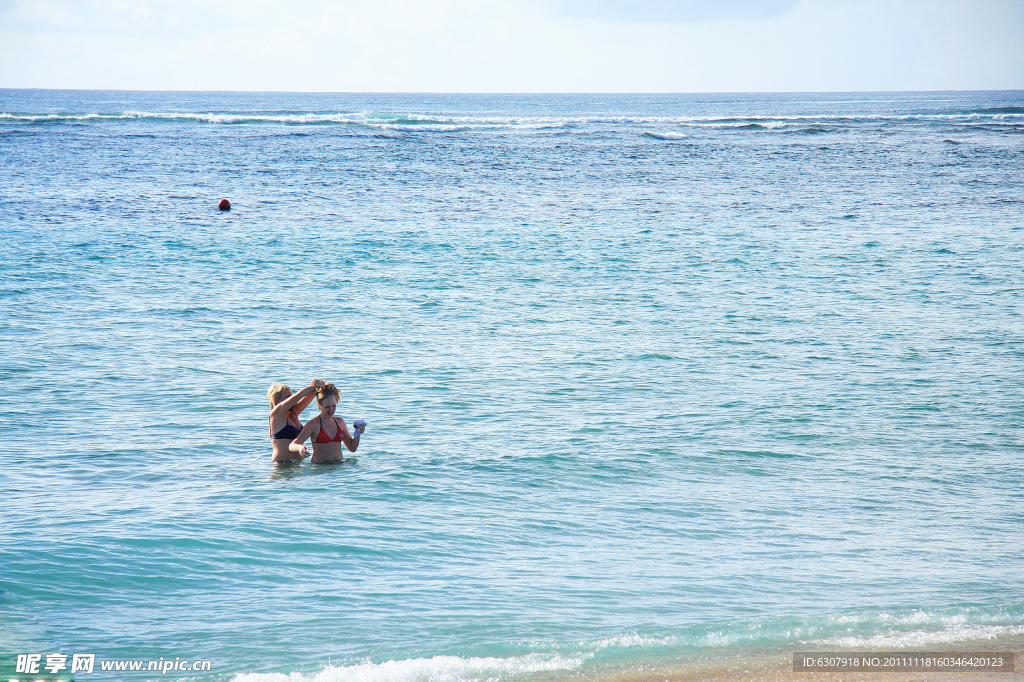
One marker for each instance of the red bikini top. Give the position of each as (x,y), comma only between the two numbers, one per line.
(323,438)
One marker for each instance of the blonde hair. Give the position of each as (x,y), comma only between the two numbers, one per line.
(274,391)
(328,390)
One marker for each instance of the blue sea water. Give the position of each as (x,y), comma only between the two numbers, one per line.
(649,379)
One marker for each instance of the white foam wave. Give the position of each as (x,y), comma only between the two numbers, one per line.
(299,119)
(919,638)
(543,121)
(879,629)
(762,124)
(423,128)
(778,125)
(666,136)
(209,117)
(44,118)
(446,123)
(436,669)
(633,640)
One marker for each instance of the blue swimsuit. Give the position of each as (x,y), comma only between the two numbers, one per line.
(288,432)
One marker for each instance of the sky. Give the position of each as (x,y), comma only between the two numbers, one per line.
(513,45)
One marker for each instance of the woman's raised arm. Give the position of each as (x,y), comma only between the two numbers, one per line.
(304,402)
(299,400)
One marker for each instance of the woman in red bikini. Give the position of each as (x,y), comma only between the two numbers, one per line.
(327,431)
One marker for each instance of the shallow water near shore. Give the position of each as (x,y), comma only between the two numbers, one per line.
(657,386)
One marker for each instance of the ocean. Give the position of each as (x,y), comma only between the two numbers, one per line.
(658,387)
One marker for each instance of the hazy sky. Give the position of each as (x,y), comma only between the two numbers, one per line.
(513,45)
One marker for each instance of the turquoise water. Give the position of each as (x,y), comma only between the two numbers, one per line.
(647,378)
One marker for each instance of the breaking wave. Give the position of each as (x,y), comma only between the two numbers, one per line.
(867,629)
(436,669)
(451,123)
(666,136)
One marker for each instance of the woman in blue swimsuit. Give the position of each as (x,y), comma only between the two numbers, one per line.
(284,417)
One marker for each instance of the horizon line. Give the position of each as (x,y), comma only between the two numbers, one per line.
(510,93)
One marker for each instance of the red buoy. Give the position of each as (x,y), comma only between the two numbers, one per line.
(224,205)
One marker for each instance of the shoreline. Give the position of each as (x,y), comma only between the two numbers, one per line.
(775,664)
(746,664)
